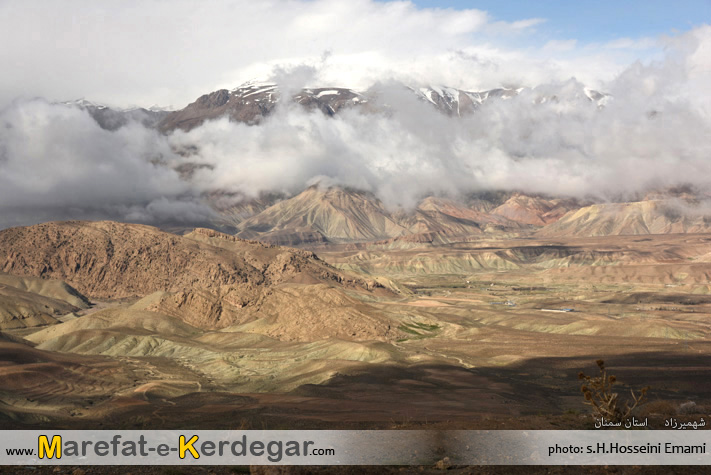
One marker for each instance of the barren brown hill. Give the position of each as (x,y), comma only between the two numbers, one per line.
(20,309)
(338,215)
(53,289)
(29,301)
(639,217)
(206,278)
(450,218)
(534,210)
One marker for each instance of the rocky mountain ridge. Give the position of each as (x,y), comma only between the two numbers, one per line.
(321,215)
(252,101)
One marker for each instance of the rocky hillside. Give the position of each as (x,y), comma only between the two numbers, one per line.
(534,210)
(319,215)
(206,278)
(336,215)
(640,217)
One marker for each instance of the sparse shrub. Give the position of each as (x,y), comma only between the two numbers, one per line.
(598,394)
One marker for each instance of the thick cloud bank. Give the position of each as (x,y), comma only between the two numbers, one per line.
(651,133)
(56,163)
(170,51)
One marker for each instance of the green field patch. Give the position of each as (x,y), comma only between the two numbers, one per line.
(418,330)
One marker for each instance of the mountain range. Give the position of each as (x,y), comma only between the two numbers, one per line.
(320,215)
(251,102)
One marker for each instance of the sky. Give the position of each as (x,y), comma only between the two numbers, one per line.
(593,21)
(57,163)
(167,53)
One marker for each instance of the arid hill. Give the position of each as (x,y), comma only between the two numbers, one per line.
(208,279)
(31,301)
(338,215)
(335,213)
(20,309)
(534,210)
(54,289)
(639,217)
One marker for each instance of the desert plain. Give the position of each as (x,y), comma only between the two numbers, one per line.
(111,325)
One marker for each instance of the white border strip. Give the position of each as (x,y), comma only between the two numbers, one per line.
(350,447)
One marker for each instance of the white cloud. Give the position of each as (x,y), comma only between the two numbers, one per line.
(554,46)
(528,23)
(56,163)
(170,52)
(632,43)
(564,146)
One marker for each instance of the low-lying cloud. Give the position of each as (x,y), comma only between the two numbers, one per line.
(651,133)
(55,162)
